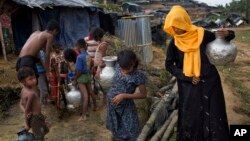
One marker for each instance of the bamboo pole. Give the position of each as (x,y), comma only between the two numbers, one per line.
(148,126)
(2,42)
(170,128)
(158,135)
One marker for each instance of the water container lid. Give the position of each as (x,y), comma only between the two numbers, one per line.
(109,58)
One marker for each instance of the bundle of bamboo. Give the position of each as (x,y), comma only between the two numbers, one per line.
(164,116)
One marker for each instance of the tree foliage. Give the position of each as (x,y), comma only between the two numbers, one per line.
(238,6)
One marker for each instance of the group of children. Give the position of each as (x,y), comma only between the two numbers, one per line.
(122,119)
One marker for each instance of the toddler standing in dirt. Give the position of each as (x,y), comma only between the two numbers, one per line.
(30,104)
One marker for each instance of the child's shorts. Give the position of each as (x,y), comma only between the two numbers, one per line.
(84,78)
(38,126)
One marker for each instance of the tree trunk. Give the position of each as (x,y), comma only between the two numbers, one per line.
(2,41)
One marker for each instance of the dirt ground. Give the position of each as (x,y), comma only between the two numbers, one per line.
(93,129)
(233,101)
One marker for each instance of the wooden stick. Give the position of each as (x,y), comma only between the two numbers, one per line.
(2,41)
(148,126)
(158,135)
(165,88)
(170,128)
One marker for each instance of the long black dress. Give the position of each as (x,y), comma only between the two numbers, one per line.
(202,112)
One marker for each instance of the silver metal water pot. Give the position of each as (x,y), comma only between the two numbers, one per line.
(221,52)
(73,97)
(107,73)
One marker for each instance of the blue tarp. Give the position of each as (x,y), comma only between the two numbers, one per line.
(74,24)
(21,26)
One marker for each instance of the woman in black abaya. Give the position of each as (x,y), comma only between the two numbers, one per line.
(202,113)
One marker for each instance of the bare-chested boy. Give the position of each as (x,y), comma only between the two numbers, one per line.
(37,41)
(30,103)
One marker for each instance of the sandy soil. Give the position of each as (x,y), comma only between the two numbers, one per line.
(93,129)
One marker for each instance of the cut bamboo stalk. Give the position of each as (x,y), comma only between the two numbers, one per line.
(158,135)
(2,41)
(165,88)
(170,128)
(148,126)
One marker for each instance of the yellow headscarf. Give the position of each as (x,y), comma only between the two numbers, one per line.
(189,42)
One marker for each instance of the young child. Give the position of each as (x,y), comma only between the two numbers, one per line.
(59,68)
(30,104)
(83,78)
(101,51)
(122,118)
(42,80)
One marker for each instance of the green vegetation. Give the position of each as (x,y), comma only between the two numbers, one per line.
(173,137)
(236,76)
(111,7)
(243,36)
(239,6)
(233,75)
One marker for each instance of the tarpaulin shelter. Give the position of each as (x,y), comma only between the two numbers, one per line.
(74,16)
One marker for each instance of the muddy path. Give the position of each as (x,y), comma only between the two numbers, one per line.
(64,124)
(67,128)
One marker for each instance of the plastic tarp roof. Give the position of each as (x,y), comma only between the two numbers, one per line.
(51,3)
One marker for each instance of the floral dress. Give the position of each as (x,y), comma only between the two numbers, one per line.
(122,120)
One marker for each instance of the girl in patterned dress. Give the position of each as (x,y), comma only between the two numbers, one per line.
(122,118)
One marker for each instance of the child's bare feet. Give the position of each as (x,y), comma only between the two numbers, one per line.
(82,118)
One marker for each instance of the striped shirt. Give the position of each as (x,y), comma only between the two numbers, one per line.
(92,45)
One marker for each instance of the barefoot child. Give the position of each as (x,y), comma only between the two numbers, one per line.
(122,118)
(59,68)
(102,50)
(83,78)
(30,104)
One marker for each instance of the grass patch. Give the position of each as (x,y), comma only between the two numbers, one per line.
(239,89)
(244,109)
(243,36)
